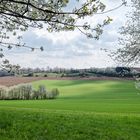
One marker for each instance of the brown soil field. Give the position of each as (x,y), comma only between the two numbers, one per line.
(11,81)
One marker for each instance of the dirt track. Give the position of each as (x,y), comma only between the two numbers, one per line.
(10,81)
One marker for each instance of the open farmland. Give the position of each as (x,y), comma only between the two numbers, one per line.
(85,110)
(12,80)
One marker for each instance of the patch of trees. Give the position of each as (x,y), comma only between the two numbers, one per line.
(26,92)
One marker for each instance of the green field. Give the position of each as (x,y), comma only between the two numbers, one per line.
(85,110)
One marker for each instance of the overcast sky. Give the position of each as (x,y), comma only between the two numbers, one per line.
(72,49)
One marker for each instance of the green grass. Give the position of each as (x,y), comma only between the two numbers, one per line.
(85,110)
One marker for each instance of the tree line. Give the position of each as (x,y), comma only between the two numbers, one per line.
(64,72)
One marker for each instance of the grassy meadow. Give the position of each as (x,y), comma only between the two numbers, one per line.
(85,110)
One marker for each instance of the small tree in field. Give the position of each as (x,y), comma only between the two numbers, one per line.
(55,92)
(42,92)
(137,83)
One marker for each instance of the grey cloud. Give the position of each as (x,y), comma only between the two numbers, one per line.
(74,50)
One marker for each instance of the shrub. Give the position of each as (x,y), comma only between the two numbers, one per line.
(137,83)
(45,75)
(30,75)
(62,75)
(35,95)
(42,92)
(53,93)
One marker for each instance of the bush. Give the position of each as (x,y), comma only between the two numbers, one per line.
(26,92)
(45,75)
(137,83)
(62,75)
(55,92)
(30,75)
(42,92)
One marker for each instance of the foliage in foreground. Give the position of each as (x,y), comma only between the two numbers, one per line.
(129,50)
(26,92)
(66,125)
(17,16)
(137,83)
